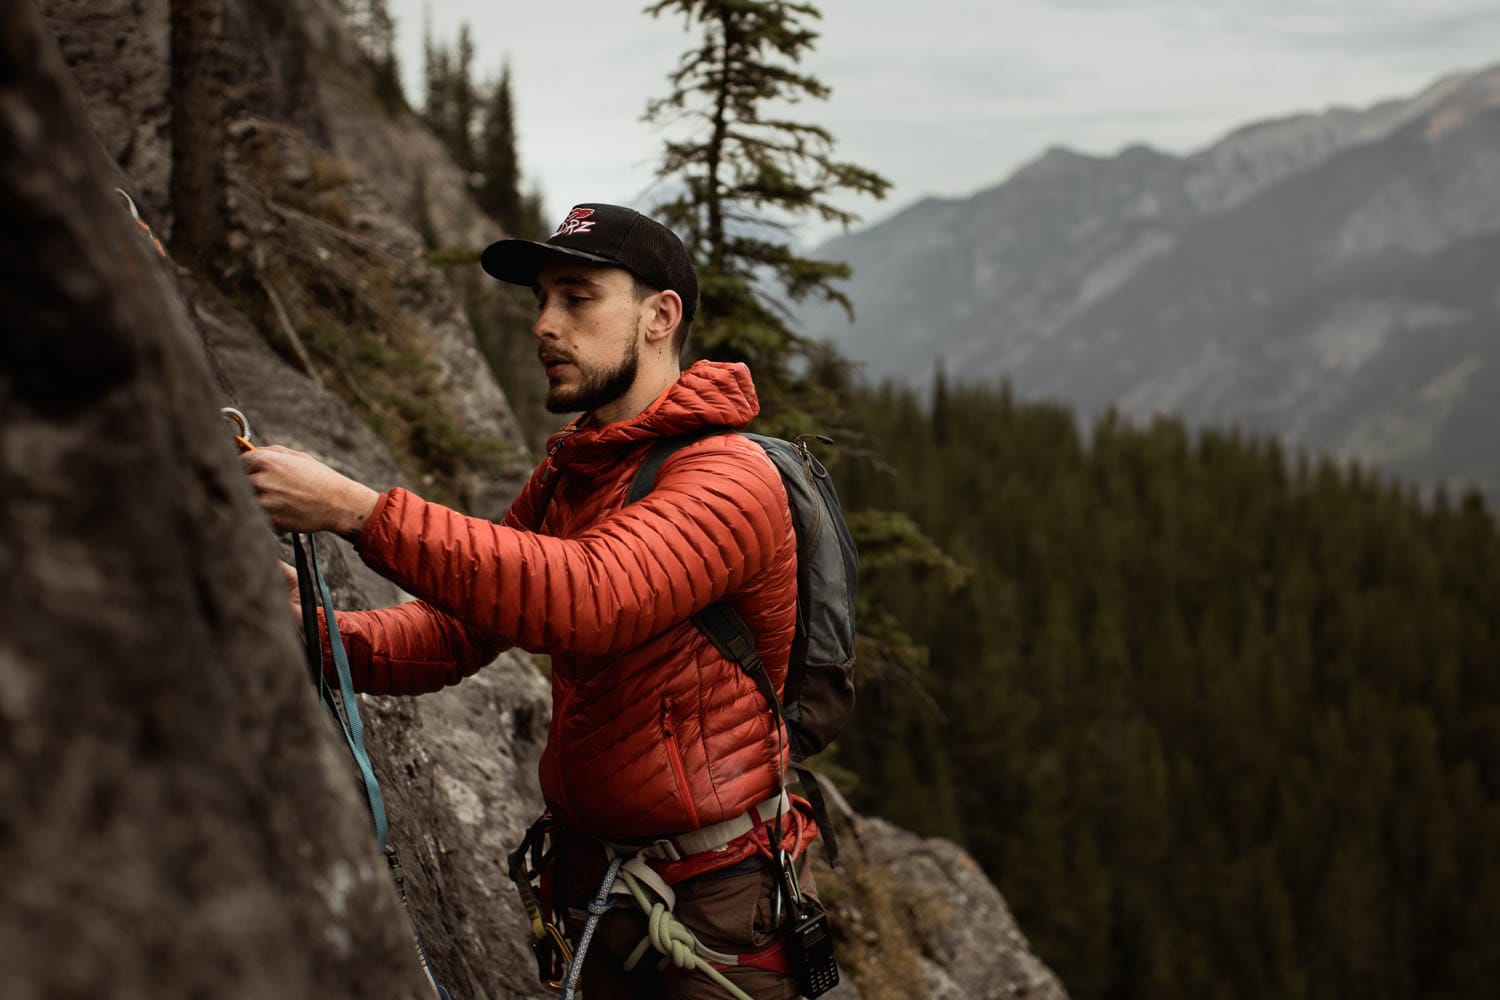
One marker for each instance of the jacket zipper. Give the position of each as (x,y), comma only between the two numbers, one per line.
(561,767)
(674,756)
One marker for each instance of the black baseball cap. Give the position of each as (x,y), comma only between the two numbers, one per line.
(604,234)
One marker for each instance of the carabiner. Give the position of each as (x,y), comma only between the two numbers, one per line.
(553,957)
(242,427)
(134,214)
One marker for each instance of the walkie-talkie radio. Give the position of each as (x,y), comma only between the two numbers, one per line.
(810,948)
(809,938)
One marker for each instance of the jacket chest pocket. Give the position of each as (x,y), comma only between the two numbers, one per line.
(674,758)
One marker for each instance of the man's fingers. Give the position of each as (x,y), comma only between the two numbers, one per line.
(281,449)
(289,574)
(300,493)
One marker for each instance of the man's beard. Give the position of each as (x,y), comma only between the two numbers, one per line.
(598,388)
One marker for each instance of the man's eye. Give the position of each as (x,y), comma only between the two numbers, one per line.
(574,300)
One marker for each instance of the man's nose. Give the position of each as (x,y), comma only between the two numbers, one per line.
(545,327)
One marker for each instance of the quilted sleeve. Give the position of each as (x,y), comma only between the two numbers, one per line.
(716,516)
(412,648)
(415,648)
(523,511)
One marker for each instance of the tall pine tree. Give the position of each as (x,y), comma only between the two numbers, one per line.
(374,31)
(745,173)
(463,101)
(500,192)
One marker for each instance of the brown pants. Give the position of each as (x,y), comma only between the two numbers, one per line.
(731,913)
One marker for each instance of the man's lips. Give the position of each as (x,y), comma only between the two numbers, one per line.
(553,365)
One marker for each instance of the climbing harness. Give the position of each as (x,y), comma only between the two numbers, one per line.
(804,952)
(313,592)
(664,932)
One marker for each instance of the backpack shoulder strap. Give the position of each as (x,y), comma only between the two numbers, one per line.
(661,450)
(732,637)
(729,633)
(724,628)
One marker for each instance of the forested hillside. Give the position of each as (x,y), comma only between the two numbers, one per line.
(1220,721)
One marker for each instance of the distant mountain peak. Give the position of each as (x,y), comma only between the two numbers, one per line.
(1154,282)
(1055,161)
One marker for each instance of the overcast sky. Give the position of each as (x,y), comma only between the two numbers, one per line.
(947,97)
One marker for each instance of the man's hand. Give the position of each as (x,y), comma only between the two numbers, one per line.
(299,493)
(294,593)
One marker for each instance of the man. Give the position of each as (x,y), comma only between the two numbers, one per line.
(654,733)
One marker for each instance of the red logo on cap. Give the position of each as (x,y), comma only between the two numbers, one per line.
(576,222)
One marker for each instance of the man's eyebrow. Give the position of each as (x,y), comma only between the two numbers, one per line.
(570,281)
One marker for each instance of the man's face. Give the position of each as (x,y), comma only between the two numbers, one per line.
(589,324)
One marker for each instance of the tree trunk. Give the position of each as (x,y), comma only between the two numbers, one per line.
(197,98)
(175,816)
(713,187)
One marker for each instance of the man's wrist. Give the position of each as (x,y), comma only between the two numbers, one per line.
(361,505)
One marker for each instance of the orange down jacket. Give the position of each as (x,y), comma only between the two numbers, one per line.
(653,732)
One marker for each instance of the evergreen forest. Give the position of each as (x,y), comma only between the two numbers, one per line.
(1218,720)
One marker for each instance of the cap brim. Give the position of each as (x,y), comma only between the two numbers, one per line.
(518,261)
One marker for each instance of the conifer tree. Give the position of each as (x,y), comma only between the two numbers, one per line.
(435,82)
(745,173)
(533,213)
(374,31)
(500,192)
(451,106)
(463,102)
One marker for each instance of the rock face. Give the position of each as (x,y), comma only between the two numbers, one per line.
(186,791)
(290,63)
(1213,286)
(174,809)
(919,919)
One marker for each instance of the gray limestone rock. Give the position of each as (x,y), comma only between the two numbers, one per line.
(175,808)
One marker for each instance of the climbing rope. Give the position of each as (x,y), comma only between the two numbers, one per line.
(598,906)
(672,938)
(664,932)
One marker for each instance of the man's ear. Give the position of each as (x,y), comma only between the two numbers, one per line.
(665,315)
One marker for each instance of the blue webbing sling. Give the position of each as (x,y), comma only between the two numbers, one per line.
(312,589)
(345,708)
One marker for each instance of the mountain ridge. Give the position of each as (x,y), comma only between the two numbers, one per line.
(1140,281)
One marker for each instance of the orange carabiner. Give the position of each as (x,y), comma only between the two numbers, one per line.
(242,427)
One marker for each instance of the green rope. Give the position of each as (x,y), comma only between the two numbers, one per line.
(671,937)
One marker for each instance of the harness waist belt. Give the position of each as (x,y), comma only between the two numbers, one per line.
(714,837)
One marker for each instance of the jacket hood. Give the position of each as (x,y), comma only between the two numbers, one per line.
(710,393)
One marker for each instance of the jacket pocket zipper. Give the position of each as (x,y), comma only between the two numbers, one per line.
(674,757)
